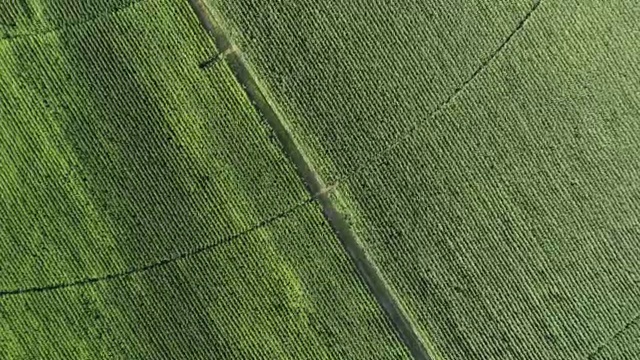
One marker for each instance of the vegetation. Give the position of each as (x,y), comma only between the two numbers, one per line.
(148,213)
(483,153)
(319,179)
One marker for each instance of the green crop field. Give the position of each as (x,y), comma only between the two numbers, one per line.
(345,179)
(146,212)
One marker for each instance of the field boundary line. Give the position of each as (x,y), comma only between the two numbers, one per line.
(367,271)
(158,263)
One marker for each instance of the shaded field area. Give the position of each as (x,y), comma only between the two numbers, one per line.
(487,166)
(119,159)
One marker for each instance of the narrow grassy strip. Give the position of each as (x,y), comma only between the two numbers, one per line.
(315,185)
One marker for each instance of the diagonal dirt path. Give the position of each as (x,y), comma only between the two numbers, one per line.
(316,186)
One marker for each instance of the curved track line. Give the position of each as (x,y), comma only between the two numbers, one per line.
(627,326)
(440,107)
(159,263)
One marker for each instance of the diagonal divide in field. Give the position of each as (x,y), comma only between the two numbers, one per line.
(593,355)
(315,185)
(317,188)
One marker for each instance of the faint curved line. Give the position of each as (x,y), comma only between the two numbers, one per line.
(440,107)
(71,24)
(158,263)
(617,334)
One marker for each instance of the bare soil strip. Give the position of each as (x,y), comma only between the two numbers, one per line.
(316,187)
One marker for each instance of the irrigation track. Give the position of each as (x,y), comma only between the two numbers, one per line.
(367,270)
(314,184)
(375,159)
(615,336)
(161,262)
